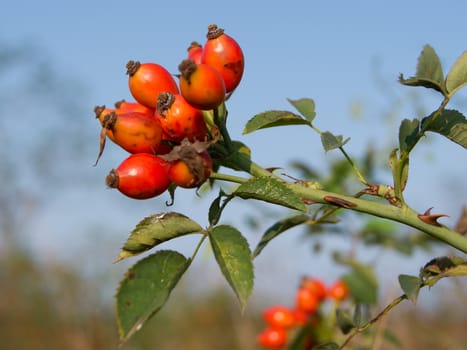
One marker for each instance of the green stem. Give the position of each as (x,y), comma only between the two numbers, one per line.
(400,167)
(229,178)
(403,215)
(198,246)
(354,167)
(436,114)
(363,328)
(360,176)
(221,124)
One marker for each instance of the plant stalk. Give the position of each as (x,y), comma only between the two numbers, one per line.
(229,178)
(363,328)
(404,215)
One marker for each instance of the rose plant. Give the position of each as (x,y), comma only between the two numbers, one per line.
(186,152)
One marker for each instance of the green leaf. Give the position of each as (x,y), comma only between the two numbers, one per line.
(215,210)
(400,172)
(217,206)
(362,283)
(444,266)
(450,123)
(233,256)
(145,289)
(344,321)
(276,229)
(271,119)
(457,76)
(408,134)
(305,106)
(237,148)
(411,286)
(156,229)
(331,141)
(270,190)
(429,71)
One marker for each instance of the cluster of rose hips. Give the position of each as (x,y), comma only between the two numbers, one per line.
(166,129)
(309,298)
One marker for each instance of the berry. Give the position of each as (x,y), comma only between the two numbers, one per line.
(306,300)
(201,85)
(338,290)
(195,51)
(301,317)
(140,176)
(123,106)
(134,132)
(272,338)
(179,119)
(102,111)
(225,55)
(147,80)
(317,286)
(279,316)
(190,163)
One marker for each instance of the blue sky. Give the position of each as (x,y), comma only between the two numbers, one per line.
(333,52)
(321,49)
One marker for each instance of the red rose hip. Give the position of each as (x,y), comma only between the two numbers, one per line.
(147,80)
(179,119)
(224,54)
(191,172)
(195,51)
(134,132)
(140,176)
(201,85)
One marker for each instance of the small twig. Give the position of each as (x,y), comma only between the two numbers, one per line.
(227,177)
(350,160)
(383,313)
(198,246)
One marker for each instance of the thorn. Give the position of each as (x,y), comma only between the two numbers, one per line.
(273,169)
(431,219)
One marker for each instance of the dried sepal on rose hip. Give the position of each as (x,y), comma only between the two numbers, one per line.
(201,85)
(101,112)
(190,163)
(223,53)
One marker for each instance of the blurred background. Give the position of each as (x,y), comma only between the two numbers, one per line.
(61,228)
